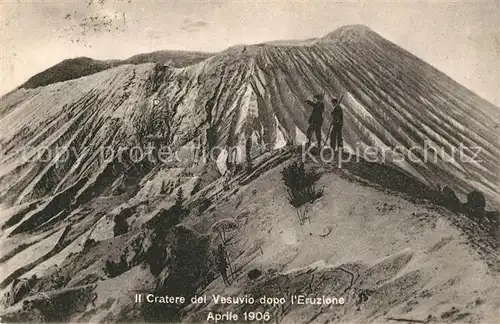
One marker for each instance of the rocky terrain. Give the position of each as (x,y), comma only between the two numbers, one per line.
(90,224)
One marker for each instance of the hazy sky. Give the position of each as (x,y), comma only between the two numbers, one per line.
(461,38)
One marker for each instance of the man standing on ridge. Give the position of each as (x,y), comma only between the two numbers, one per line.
(316,119)
(336,141)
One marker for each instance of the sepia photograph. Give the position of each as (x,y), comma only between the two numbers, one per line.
(208,161)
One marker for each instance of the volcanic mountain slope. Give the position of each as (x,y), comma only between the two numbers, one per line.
(247,94)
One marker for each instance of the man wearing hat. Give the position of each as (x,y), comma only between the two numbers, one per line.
(316,119)
(336,141)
